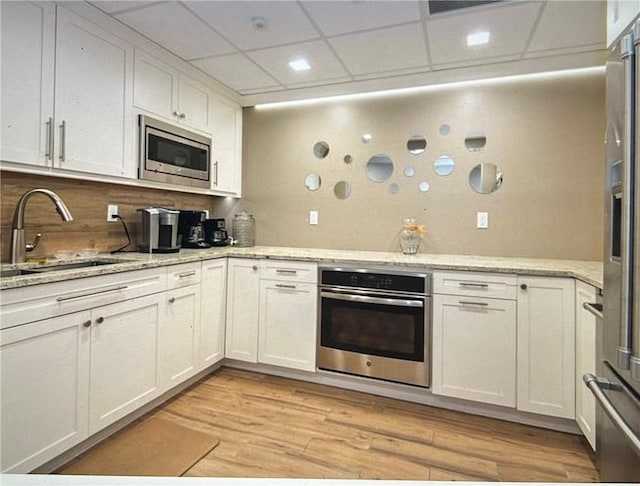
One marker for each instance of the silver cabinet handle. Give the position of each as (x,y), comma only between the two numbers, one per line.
(594,308)
(523,286)
(285,286)
(172,300)
(91,293)
(472,284)
(182,116)
(215,173)
(255,267)
(288,272)
(472,302)
(100,320)
(50,137)
(635,310)
(596,385)
(190,273)
(63,140)
(87,323)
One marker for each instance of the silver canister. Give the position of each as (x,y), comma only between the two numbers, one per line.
(244,229)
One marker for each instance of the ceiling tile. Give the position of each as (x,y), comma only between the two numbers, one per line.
(389,49)
(285,22)
(178,30)
(509,24)
(589,19)
(236,71)
(324,64)
(341,17)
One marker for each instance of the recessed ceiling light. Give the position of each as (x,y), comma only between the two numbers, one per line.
(478,38)
(300,65)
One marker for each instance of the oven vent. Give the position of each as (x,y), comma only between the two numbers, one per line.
(440,6)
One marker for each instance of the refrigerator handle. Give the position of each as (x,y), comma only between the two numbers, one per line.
(595,385)
(635,311)
(626,244)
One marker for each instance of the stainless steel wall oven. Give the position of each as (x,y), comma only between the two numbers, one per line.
(376,322)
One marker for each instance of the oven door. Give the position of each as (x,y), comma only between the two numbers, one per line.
(377,335)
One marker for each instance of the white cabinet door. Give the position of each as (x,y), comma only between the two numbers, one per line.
(213,312)
(585,361)
(288,323)
(177,335)
(226,122)
(27,57)
(194,100)
(124,358)
(546,346)
(243,290)
(45,383)
(474,349)
(93,100)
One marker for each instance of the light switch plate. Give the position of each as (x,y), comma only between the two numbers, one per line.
(313,217)
(482,221)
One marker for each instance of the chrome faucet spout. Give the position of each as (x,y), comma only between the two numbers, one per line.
(18,245)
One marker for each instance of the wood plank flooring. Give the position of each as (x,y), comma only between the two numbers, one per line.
(275,427)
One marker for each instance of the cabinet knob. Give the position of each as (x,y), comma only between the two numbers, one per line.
(172,300)
(100,320)
(523,286)
(87,323)
(255,267)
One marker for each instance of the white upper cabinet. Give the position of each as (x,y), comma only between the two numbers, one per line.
(167,93)
(226,119)
(28,40)
(620,14)
(93,98)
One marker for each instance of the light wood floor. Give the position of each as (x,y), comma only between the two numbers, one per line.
(275,427)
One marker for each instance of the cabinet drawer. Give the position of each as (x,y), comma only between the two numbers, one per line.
(474,284)
(288,271)
(183,275)
(29,304)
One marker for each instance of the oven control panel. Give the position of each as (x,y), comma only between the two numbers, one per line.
(418,283)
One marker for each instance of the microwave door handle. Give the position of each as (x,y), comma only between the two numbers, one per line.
(635,311)
(626,243)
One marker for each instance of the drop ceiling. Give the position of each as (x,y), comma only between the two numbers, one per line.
(365,45)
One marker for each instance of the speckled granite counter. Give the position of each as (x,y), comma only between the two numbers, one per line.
(589,272)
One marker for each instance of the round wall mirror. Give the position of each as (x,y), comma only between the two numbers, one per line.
(312,182)
(416,145)
(379,168)
(321,149)
(394,188)
(475,141)
(342,190)
(409,171)
(424,187)
(485,178)
(444,165)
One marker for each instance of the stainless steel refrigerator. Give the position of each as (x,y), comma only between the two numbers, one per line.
(617,389)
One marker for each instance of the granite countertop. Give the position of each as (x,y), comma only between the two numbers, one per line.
(588,272)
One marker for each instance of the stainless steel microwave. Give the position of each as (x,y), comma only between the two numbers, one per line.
(173,155)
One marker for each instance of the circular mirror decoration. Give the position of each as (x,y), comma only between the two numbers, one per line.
(475,141)
(394,188)
(321,149)
(380,168)
(416,145)
(424,187)
(485,178)
(444,165)
(312,182)
(342,190)
(409,171)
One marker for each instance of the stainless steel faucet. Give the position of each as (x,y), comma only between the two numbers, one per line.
(19,248)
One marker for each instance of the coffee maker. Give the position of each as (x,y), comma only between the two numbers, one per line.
(215,232)
(191,230)
(158,231)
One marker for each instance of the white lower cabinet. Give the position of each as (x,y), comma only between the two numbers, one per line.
(213,312)
(243,294)
(546,346)
(124,358)
(474,349)
(45,390)
(287,327)
(585,361)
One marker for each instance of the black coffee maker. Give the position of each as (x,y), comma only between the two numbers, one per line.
(191,229)
(215,232)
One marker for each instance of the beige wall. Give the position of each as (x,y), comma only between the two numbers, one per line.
(545,134)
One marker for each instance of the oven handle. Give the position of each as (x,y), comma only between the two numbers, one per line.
(373,300)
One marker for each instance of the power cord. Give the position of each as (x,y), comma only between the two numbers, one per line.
(117,216)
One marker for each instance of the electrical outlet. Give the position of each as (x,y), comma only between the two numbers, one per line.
(313,217)
(112,210)
(482,220)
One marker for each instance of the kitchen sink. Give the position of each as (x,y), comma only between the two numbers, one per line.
(15,272)
(55,267)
